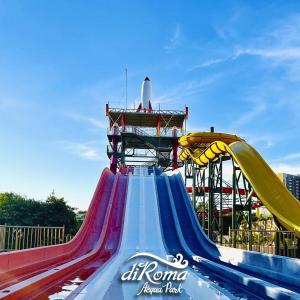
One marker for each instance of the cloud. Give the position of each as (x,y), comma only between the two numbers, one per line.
(281,54)
(257,109)
(185,90)
(228,29)
(271,53)
(90,120)
(88,150)
(265,140)
(291,156)
(209,63)
(284,53)
(293,169)
(278,43)
(176,38)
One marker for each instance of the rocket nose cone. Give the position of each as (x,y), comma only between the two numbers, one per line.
(147,79)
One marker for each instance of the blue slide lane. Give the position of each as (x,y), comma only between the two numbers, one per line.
(199,243)
(181,236)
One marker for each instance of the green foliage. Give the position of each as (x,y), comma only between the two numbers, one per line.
(200,207)
(265,217)
(18,210)
(61,213)
(80,215)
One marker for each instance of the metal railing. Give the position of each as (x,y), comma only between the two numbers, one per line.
(267,241)
(148,131)
(24,237)
(160,111)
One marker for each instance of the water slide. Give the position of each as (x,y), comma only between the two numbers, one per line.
(159,219)
(203,147)
(36,273)
(142,233)
(131,216)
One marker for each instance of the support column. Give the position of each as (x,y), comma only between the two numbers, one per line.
(185,173)
(175,150)
(158,125)
(194,185)
(122,152)
(234,191)
(203,199)
(210,200)
(221,201)
(250,207)
(123,122)
(211,205)
(114,158)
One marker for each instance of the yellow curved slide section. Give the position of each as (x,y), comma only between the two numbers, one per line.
(266,184)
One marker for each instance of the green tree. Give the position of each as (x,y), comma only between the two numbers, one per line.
(18,210)
(61,214)
(80,216)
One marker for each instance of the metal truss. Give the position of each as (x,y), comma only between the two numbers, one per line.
(213,197)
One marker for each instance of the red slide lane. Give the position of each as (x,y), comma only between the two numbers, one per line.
(33,271)
(17,265)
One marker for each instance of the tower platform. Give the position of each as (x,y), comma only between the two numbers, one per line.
(144,136)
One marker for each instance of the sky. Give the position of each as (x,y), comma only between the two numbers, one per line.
(235,64)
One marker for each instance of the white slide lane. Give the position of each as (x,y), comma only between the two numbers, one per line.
(142,233)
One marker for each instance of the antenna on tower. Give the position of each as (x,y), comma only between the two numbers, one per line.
(126,86)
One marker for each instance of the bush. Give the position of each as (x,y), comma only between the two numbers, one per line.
(20,211)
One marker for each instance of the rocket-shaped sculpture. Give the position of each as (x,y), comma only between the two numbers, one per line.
(146,95)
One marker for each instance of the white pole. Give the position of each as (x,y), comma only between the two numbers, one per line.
(126,86)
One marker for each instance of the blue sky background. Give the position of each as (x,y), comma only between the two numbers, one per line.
(236,64)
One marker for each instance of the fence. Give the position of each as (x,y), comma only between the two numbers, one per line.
(24,237)
(267,241)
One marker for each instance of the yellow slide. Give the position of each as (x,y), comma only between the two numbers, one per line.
(205,146)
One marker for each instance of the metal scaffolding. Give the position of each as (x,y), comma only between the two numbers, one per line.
(214,198)
(143,137)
